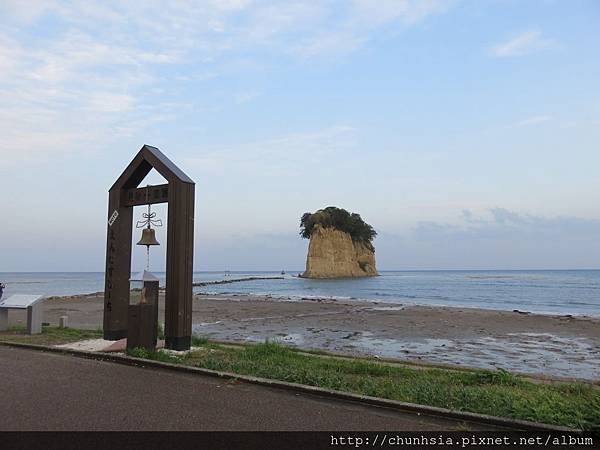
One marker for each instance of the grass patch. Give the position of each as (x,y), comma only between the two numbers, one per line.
(49,335)
(498,393)
(156,355)
(199,341)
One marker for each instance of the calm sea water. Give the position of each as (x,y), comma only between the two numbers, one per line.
(557,291)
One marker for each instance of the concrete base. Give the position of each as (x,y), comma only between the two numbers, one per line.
(114,335)
(34,318)
(178,343)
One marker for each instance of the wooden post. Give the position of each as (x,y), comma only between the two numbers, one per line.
(118,268)
(143,320)
(180,263)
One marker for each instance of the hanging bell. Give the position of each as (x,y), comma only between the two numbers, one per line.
(148,237)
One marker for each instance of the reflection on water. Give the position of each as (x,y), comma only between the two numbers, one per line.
(523,352)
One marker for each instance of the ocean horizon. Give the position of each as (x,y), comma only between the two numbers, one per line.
(575,292)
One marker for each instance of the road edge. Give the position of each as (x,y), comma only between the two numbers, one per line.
(523,425)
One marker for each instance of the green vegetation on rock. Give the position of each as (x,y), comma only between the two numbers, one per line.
(340,219)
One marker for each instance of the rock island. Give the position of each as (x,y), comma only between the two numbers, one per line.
(340,244)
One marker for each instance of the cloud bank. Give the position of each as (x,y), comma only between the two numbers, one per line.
(496,239)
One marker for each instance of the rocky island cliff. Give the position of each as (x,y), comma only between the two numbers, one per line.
(340,245)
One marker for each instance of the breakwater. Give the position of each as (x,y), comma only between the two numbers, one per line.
(234,280)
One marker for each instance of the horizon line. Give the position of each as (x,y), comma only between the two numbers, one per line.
(279,270)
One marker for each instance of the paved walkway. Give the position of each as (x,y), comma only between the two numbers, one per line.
(49,391)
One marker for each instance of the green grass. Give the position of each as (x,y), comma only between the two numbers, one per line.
(156,355)
(498,393)
(199,341)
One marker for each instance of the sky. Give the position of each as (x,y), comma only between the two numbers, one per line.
(467,132)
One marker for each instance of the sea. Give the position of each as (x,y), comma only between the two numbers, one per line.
(575,292)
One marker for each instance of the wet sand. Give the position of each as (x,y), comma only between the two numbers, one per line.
(552,345)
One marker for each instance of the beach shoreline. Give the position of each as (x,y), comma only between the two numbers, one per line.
(565,346)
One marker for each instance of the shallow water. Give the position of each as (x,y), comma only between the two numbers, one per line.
(541,353)
(522,352)
(546,291)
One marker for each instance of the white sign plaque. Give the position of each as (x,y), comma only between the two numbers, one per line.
(20,301)
(113,217)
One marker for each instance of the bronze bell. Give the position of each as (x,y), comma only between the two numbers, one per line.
(148,237)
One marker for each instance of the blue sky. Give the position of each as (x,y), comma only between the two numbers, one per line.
(466,132)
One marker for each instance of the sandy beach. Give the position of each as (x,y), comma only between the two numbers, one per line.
(551,345)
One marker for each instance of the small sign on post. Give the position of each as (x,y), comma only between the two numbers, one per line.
(113,217)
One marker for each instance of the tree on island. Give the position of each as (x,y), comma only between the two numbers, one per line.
(339,219)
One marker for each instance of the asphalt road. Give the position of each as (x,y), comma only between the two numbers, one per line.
(50,391)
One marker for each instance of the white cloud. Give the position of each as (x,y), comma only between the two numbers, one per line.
(360,20)
(25,12)
(63,95)
(278,157)
(245,97)
(98,68)
(533,120)
(380,12)
(329,43)
(109,102)
(523,44)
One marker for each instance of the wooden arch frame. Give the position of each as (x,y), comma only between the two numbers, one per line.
(122,197)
